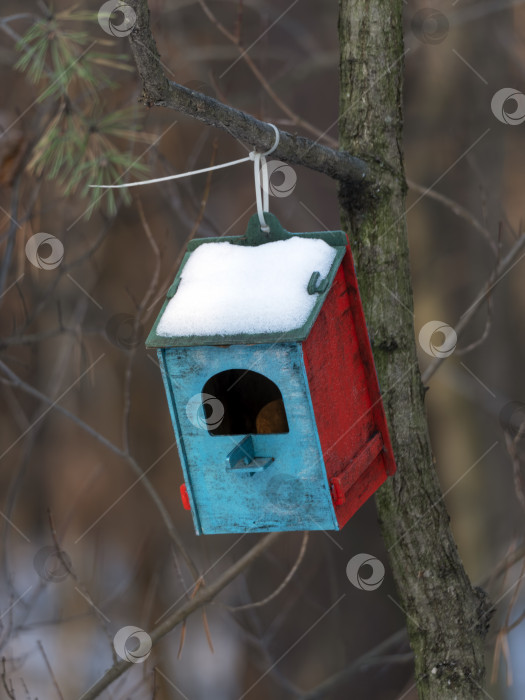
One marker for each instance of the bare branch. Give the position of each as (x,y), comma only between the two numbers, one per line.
(172,531)
(283,583)
(456,209)
(7,683)
(504,266)
(141,309)
(511,443)
(159,91)
(50,670)
(371,658)
(490,305)
(295,119)
(205,595)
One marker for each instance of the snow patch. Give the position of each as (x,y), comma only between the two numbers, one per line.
(228,289)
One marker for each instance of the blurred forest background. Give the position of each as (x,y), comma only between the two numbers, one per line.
(75,333)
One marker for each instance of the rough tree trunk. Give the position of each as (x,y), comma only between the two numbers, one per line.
(447,619)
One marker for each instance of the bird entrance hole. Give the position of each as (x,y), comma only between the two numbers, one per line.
(252,403)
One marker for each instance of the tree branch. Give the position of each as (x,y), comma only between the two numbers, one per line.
(160,92)
(204,596)
(148,486)
(498,273)
(457,209)
(375,656)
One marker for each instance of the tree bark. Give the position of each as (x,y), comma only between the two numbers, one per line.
(447,618)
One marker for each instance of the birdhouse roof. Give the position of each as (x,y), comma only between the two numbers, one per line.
(259,288)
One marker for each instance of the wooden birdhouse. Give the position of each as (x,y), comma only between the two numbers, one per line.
(271,383)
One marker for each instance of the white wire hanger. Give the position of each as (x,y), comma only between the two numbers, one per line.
(259,168)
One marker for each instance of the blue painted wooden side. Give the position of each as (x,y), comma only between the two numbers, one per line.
(169,383)
(292,493)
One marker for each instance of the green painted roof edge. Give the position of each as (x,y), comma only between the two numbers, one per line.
(253,237)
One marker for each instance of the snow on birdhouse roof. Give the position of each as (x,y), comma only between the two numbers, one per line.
(232,293)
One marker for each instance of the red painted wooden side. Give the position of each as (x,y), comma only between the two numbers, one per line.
(345,393)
